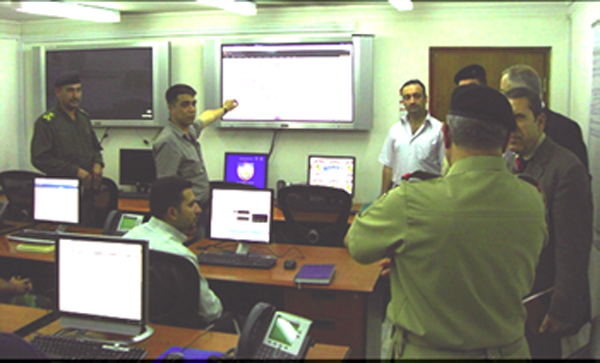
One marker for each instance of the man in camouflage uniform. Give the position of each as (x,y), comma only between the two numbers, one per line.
(64,143)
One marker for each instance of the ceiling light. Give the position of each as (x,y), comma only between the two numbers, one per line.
(402,5)
(240,7)
(71,11)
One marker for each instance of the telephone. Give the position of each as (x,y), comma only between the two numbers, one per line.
(271,334)
(118,223)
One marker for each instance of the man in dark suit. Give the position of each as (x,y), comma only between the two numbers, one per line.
(561,129)
(564,261)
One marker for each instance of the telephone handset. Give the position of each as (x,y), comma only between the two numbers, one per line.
(271,334)
(118,223)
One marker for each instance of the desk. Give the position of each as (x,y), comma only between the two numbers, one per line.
(163,337)
(348,312)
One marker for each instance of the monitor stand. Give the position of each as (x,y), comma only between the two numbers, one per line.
(243,248)
(114,338)
(60,228)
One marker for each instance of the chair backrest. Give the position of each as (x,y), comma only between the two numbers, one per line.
(17,186)
(105,200)
(15,347)
(228,184)
(174,290)
(316,215)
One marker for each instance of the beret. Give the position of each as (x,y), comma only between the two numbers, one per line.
(472,71)
(482,103)
(67,78)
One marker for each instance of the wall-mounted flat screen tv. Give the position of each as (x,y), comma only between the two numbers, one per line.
(306,83)
(122,84)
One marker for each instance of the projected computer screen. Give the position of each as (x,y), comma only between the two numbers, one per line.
(101,277)
(56,200)
(332,171)
(243,215)
(246,168)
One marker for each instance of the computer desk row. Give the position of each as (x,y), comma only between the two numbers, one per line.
(164,337)
(348,312)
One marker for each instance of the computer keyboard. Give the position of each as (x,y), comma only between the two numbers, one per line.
(33,236)
(133,195)
(236,260)
(60,347)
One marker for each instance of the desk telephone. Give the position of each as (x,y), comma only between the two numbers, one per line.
(118,223)
(270,334)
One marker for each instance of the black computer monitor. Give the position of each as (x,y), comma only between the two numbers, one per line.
(246,168)
(136,167)
(57,200)
(332,171)
(102,284)
(241,215)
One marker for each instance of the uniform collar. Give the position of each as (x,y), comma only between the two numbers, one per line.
(179,132)
(477,163)
(159,224)
(59,110)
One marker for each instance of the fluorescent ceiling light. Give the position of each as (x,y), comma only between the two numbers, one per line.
(402,5)
(240,7)
(69,10)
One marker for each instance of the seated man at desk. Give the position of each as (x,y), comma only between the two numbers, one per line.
(174,211)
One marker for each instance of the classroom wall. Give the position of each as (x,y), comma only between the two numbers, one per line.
(401,47)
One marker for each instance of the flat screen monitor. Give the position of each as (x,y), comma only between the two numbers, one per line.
(136,167)
(102,283)
(241,215)
(57,200)
(246,168)
(332,171)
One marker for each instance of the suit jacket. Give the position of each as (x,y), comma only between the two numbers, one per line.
(564,261)
(567,134)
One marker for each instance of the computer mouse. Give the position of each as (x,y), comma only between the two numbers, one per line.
(289,264)
(174,356)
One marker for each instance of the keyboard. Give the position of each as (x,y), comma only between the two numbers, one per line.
(236,260)
(134,195)
(33,236)
(60,347)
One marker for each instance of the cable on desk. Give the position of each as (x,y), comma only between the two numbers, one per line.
(284,253)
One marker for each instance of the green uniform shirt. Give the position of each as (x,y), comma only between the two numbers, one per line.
(60,145)
(464,249)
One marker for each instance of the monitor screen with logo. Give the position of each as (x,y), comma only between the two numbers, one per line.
(332,171)
(246,168)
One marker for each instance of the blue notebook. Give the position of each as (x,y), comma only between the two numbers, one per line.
(315,274)
(189,353)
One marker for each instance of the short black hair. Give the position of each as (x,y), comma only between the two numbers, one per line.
(178,89)
(414,81)
(167,192)
(533,98)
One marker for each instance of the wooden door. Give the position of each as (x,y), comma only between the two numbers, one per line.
(444,62)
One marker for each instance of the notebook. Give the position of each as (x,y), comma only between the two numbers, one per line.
(315,274)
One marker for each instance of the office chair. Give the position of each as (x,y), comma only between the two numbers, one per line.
(105,200)
(315,215)
(15,347)
(175,293)
(17,186)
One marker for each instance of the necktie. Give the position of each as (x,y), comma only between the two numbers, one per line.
(521,163)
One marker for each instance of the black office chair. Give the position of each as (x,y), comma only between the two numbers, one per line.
(105,200)
(175,294)
(17,186)
(315,215)
(15,347)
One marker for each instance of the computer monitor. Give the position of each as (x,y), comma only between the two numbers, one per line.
(102,284)
(136,167)
(332,171)
(246,168)
(241,215)
(57,200)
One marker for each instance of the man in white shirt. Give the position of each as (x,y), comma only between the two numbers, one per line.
(415,143)
(174,212)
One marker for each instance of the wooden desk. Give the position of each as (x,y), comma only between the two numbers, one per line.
(164,337)
(347,313)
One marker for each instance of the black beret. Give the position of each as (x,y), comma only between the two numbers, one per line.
(482,103)
(472,71)
(67,78)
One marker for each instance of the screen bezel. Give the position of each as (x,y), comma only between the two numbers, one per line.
(353,158)
(266,156)
(103,323)
(245,190)
(79,207)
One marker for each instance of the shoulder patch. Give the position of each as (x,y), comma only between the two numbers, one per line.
(48,116)
(420,175)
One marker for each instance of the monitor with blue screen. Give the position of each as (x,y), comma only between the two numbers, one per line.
(246,168)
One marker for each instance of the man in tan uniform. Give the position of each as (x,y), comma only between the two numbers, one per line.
(462,248)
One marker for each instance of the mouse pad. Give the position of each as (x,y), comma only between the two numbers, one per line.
(189,353)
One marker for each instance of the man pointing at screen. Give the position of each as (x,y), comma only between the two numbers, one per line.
(177,151)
